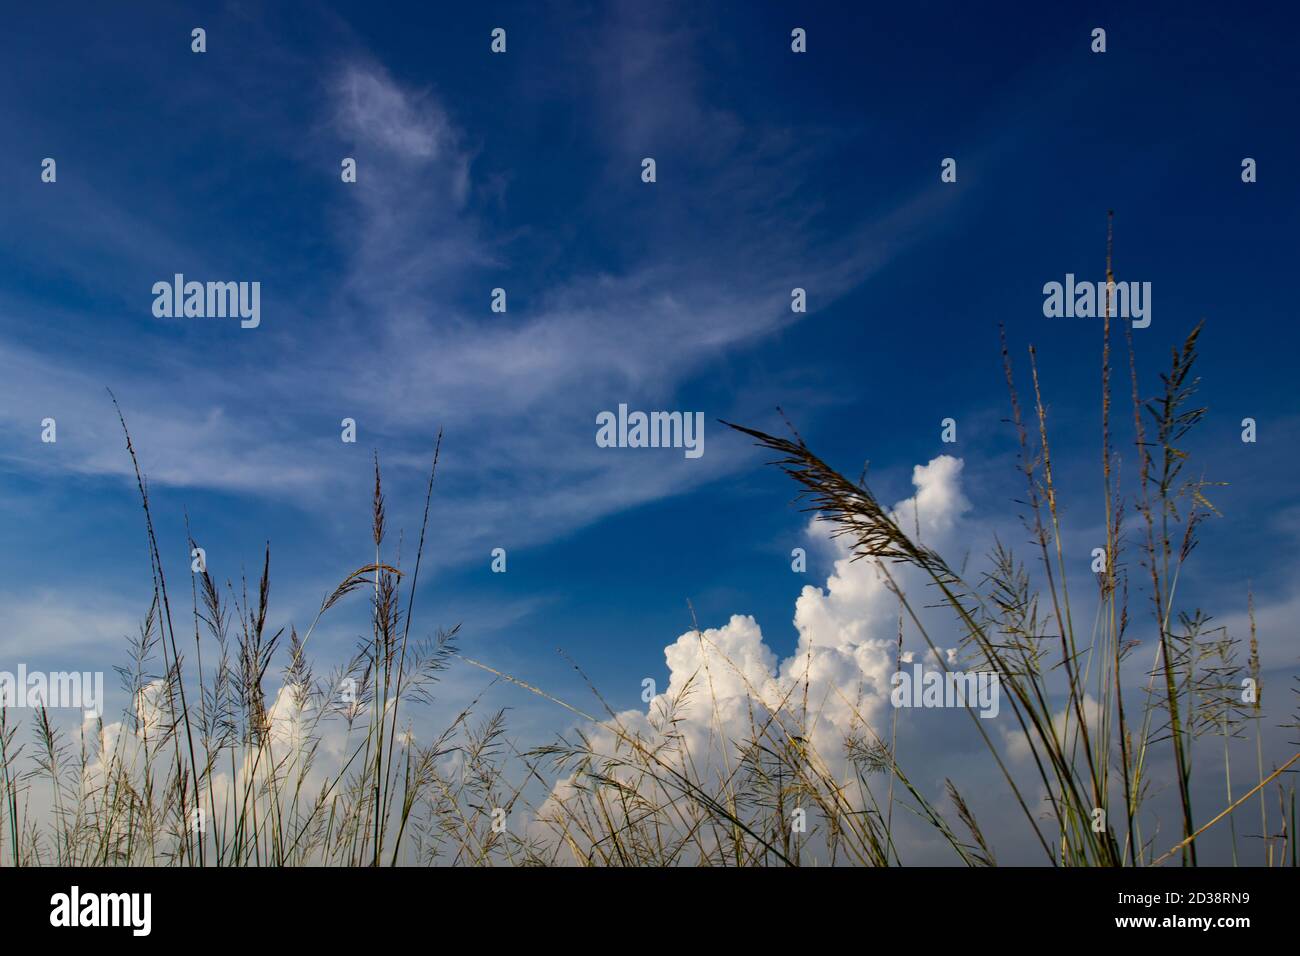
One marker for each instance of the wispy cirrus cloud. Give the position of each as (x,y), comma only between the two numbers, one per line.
(389,341)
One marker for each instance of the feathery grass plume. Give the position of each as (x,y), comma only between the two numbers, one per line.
(1002,630)
(211,764)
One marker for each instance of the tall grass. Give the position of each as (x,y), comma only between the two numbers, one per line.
(211,768)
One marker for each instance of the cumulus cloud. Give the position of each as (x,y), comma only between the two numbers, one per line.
(1065,723)
(723,680)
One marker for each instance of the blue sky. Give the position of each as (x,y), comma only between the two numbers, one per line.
(522,171)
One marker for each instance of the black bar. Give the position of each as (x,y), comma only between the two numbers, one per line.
(339,907)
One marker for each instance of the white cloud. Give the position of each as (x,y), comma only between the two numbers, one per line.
(518,394)
(1065,724)
(840,666)
(42,622)
(380,113)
